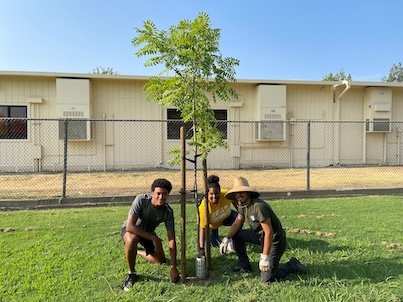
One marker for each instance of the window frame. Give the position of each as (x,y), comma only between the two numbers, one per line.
(174,123)
(15,125)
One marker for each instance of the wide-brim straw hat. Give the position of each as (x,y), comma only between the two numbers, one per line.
(240,185)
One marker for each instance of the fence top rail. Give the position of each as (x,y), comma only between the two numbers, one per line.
(221,121)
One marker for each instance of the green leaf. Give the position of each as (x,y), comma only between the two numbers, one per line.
(190,51)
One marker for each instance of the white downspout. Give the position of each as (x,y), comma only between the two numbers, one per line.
(105,145)
(384,148)
(336,115)
(364,145)
(348,87)
(398,134)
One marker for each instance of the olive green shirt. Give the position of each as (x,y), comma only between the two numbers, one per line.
(258,211)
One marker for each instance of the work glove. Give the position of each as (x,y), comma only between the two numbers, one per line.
(264,263)
(224,246)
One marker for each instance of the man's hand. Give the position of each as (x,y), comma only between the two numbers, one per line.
(201,252)
(224,246)
(157,244)
(174,274)
(264,263)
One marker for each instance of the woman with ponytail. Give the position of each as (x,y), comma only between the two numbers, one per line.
(219,211)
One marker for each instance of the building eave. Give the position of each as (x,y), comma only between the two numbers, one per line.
(240,81)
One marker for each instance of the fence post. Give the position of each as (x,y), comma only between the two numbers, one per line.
(308,158)
(64,161)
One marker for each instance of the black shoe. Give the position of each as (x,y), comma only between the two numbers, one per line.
(130,280)
(240,269)
(297,266)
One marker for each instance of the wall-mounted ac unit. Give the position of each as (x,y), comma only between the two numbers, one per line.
(74,104)
(270,130)
(377,109)
(77,130)
(271,125)
(377,125)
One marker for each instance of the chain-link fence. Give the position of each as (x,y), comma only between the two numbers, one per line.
(46,158)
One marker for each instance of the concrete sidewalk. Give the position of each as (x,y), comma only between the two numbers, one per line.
(54,203)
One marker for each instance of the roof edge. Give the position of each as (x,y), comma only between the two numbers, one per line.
(241,81)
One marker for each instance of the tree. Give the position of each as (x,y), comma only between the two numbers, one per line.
(190,55)
(102,70)
(340,76)
(189,50)
(395,74)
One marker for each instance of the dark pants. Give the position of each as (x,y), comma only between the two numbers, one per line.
(227,222)
(276,273)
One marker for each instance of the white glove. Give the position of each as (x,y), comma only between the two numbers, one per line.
(264,263)
(224,246)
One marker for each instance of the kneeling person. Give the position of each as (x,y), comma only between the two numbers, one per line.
(146,213)
(265,230)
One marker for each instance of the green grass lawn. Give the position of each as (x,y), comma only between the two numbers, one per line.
(353,248)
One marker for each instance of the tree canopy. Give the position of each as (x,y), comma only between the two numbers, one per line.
(193,73)
(102,70)
(340,76)
(395,74)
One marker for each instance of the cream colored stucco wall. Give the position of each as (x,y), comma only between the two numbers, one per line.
(115,141)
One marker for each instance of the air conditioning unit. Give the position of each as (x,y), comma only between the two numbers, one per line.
(77,129)
(273,130)
(271,125)
(377,109)
(377,125)
(74,105)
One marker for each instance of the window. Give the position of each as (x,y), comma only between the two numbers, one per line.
(175,123)
(13,124)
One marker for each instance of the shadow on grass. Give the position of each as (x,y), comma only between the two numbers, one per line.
(315,245)
(340,268)
(347,266)
(375,270)
(148,277)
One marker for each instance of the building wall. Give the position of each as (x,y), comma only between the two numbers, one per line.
(19,90)
(115,142)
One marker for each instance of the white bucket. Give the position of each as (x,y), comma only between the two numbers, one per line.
(201,267)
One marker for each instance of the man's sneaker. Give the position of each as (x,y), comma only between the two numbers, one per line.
(240,269)
(297,266)
(130,280)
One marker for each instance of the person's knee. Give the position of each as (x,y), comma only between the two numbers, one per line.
(131,240)
(267,277)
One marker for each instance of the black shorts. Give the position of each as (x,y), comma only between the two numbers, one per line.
(147,244)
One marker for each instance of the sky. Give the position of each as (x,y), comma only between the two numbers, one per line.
(274,40)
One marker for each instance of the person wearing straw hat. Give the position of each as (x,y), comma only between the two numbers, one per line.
(265,230)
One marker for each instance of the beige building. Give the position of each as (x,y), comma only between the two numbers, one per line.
(111,126)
